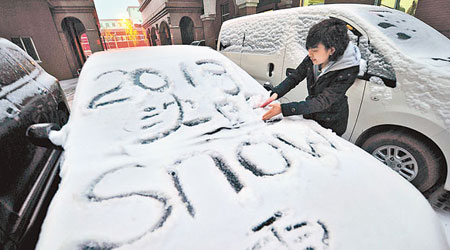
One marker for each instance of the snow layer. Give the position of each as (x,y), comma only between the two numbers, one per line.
(165,149)
(269,39)
(444,216)
(401,47)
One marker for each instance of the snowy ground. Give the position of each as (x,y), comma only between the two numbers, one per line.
(445,219)
(68,87)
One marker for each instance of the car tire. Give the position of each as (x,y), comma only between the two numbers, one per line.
(406,154)
(63,117)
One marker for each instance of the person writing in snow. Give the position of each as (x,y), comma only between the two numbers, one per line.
(330,68)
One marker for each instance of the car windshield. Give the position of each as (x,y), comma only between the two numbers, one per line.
(413,37)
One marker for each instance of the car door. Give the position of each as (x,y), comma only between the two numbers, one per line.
(264,47)
(24,166)
(296,51)
(381,84)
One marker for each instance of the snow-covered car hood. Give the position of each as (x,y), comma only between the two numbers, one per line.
(165,149)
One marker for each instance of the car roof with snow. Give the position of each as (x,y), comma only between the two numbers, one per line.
(165,149)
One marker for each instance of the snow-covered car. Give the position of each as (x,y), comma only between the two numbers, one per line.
(28,172)
(166,149)
(399,106)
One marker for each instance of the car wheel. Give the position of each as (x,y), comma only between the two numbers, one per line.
(407,155)
(63,116)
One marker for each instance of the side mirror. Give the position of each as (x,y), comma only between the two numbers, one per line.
(38,134)
(223,46)
(362,68)
(380,80)
(268,86)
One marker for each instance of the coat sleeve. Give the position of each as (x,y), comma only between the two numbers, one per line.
(293,79)
(331,94)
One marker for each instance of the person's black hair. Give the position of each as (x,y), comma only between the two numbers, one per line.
(330,32)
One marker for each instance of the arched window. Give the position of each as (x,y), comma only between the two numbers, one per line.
(187,30)
(164,34)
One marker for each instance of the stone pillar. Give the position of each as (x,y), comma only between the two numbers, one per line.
(247,7)
(209,9)
(208,30)
(175,32)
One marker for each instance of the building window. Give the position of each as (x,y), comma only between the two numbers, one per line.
(27,44)
(388,3)
(267,2)
(225,12)
(407,6)
(312,2)
(107,25)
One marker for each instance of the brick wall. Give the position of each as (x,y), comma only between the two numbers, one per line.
(435,13)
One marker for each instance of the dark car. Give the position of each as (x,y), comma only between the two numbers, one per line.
(28,95)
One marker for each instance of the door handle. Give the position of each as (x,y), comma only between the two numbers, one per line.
(271,68)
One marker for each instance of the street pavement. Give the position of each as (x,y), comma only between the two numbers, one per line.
(68,87)
(439,199)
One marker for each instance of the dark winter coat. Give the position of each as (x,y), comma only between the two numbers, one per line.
(326,103)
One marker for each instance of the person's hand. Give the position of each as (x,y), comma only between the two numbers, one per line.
(271,99)
(275,109)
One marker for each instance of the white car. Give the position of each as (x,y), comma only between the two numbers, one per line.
(166,149)
(399,106)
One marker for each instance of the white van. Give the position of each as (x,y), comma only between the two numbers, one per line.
(400,103)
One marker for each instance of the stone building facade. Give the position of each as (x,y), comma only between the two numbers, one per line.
(183,21)
(51,30)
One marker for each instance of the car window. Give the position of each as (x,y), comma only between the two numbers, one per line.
(231,37)
(28,64)
(267,40)
(257,34)
(297,37)
(302,26)
(378,65)
(10,71)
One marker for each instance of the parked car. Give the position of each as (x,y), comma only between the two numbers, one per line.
(28,95)
(198,43)
(398,106)
(172,153)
